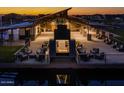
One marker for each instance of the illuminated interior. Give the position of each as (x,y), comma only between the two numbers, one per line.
(62,46)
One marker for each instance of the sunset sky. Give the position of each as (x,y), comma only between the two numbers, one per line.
(45,10)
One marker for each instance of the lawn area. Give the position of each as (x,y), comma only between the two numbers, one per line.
(6,53)
(119,32)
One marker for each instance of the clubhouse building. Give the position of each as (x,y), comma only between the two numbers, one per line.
(61,36)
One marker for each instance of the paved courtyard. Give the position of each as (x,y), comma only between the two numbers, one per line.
(39,40)
(95,43)
(112,56)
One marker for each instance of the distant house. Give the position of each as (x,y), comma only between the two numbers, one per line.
(13,18)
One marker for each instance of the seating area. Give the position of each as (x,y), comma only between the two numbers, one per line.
(82,53)
(110,40)
(41,52)
(26,53)
(87,52)
(100,36)
(120,48)
(96,54)
(87,56)
(114,44)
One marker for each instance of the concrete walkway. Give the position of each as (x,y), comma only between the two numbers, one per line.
(39,40)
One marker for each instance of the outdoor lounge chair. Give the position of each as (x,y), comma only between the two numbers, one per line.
(40,57)
(23,57)
(115,45)
(100,36)
(32,55)
(100,56)
(105,40)
(109,42)
(95,50)
(120,48)
(84,57)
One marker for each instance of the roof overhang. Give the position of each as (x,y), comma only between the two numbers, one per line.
(14,26)
(54,15)
(45,19)
(50,17)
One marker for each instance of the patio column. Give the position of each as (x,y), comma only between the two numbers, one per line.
(88,33)
(88,30)
(82,30)
(11,36)
(97,31)
(27,33)
(32,33)
(44,29)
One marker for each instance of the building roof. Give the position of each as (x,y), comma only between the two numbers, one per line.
(50,17)
(44,19)
(31,23)
(20,25)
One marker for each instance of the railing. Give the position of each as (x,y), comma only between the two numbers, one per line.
(21,49)
(77,57)
(15,54)
(44,56)
(117,58)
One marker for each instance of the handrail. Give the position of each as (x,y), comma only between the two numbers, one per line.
(114,38)
(21,48)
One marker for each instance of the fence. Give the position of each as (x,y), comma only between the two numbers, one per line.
(15,54)
(117,58)
(114,58)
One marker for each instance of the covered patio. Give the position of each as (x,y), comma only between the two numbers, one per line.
(112,56)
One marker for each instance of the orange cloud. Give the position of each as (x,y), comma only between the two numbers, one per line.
(47,10)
